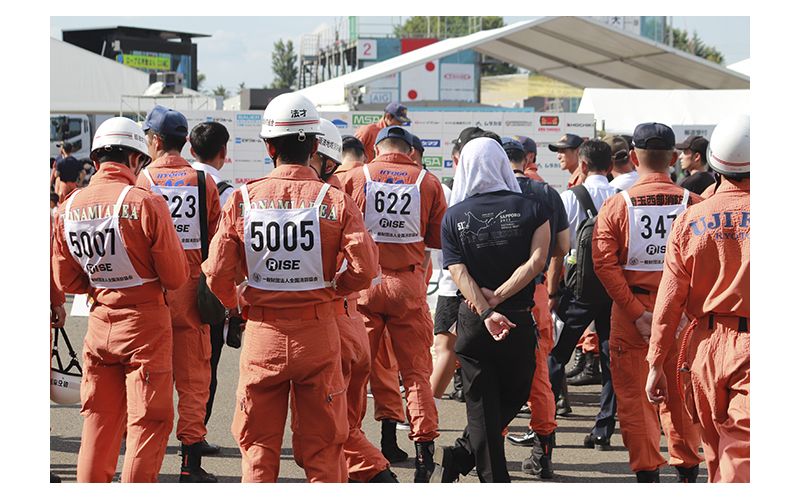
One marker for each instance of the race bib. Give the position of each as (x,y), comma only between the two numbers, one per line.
(392,211)
(649,228)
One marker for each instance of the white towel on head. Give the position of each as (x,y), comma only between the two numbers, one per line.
(483,167)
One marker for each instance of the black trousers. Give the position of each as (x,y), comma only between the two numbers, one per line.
(216,350)
(497,377)
(577,316)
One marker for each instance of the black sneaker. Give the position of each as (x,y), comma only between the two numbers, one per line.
(196,475)
(598,443)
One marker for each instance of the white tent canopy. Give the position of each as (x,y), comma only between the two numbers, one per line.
(580,51)
(622,109)
(85,82)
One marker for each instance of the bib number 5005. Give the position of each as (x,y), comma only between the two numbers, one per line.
(85,243)
(275,237)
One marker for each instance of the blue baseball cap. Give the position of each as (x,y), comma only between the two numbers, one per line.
(528,144)
(644,132)
(166,121)
(396,131)
(398,111)
(509,143)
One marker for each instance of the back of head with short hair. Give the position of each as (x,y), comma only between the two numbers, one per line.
(293,151)
(597,155)
(516,155)
(208,139)
(169,142)
(394,145)
(655,159)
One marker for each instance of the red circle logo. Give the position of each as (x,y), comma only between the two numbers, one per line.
(430,66)
(412,94)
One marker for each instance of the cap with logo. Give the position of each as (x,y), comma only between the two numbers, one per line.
(645,132)
(510,143)
(569,141)
(398,111)
(528,144)
(398,132)
(166,121)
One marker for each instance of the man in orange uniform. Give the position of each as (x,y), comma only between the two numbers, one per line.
(403,210)
(393,115)
(287,231)
(172,177)
(383,382)
(531,169)
(364,462)
(707,275)
(628,251)
(127,358)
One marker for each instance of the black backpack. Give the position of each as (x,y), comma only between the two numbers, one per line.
(579,276)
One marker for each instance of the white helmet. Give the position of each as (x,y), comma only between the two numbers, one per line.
(290,114)
(120,132)
(729,147)
(330,143)
(65,388)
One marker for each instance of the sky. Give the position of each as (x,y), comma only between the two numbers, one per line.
(239,48)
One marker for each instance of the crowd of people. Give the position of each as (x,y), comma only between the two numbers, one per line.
(322,269)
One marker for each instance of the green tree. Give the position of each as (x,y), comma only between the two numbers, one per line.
(221,90)
(201,79)
(694,45)
(284,65)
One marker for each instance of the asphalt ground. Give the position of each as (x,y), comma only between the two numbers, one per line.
(573,463)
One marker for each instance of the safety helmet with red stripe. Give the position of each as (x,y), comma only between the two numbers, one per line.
(119,132)
(729,147)
(290,114)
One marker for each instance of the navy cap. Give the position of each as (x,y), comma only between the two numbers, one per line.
(398,111)
(418,143)
(509,143)
(568,141)
(396,131)
(528,144)
(351,141)
(166,121)
(644,132)
(466,135)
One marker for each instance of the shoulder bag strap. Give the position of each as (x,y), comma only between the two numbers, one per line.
(201,193)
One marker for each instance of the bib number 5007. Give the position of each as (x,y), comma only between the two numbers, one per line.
(85,243)
(274,237)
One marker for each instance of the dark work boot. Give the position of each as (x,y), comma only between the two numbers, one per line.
(562,405)
(389,447)
(647,476)
(458,387)
(687,474)
(191,472)
(384,476)
(540,463)
(423,461)
(577,366)
(445,469)
(591,372)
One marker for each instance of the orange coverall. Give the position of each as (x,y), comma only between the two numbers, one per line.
(191,338)
(399,302)
(387,400)
(707,274)
(127,356)
(364,460)
(367,135)
(633,292)
(292,342)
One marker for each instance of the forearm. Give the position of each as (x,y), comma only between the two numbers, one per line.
(468,287)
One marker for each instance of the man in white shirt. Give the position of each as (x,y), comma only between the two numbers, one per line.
(209,147)
(594,157)
(622,170)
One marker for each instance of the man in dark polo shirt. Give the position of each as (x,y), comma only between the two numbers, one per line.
(495,241)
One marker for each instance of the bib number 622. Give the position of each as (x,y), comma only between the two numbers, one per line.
(274,237)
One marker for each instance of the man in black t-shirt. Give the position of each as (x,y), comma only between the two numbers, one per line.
(693,161)
(66,172)
(495,241)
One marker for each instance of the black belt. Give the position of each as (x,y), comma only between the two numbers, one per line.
(640,290)
(743,323)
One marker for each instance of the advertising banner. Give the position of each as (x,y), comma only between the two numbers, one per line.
(248,159)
